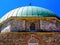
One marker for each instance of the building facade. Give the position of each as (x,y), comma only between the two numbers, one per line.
(32,19)
(29,18)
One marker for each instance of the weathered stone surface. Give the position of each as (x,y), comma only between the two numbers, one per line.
(25,25)
(22,38)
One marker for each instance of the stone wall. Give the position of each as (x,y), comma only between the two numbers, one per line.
(17,25)
(22,38)
(6,27)
(23,25)
(49,25)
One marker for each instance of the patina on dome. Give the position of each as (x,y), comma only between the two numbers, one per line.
(28,11)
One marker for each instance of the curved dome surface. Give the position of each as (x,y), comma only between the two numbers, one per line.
(28,11)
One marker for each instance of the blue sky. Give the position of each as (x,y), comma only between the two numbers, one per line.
(8,5)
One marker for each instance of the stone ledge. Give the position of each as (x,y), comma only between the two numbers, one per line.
(31,33)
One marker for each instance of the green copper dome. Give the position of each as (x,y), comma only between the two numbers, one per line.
(28,11)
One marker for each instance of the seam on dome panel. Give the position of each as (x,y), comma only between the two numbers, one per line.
(37,12)
(13,13)
(27,11)
(17,12)
(5,17)
(32,11)
(8,14)
(22,10)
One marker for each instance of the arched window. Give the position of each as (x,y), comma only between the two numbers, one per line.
(33,42)
(32,27)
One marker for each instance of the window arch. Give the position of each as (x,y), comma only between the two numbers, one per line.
(33,42)
(32,27)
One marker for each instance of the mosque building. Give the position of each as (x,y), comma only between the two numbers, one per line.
(30,20)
